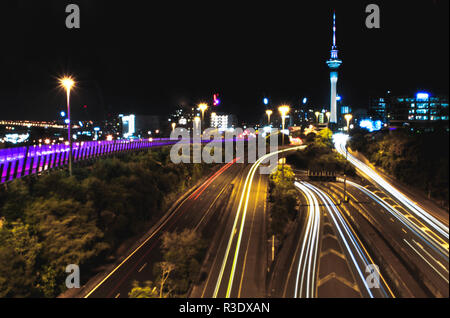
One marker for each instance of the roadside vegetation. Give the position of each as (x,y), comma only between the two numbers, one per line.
(182,256)
(54,220)
(282,202)
(416,159)
(320,156)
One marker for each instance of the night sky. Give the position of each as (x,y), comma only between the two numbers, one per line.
(147,59)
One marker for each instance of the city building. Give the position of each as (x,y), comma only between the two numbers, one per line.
(423,110)
(140,126)
(334,63)
(222,121)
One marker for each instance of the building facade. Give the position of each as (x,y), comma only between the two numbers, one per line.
(423,110)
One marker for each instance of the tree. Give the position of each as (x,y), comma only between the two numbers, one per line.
(16,199)
(68,237)
(165,284)
(183,249)
(18,253)
(147,290)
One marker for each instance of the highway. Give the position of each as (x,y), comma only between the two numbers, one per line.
(238,261)
(325,257)
(420,235)
(432,226)
(404,236)
(198,210)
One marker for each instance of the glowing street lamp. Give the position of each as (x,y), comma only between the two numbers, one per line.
(68,83)
(284,110)
(197,121)
(317,116)
(348,117)
(269,113)
(173,126)
(203,107)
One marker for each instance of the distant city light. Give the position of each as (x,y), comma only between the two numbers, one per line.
(338,98)
(129,122)
(305,100)
(16,138)
(266,101)
(371,125)
(63,114)
(67,121)
(216,100)
(422,96)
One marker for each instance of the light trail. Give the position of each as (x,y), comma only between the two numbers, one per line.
(435,242)
(241,214)
(356,250)
(163,223)
(306,274)
(427,240)
(340,141)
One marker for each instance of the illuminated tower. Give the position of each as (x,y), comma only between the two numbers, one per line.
(333,63)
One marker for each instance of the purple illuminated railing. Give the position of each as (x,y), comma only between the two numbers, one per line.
(22,161)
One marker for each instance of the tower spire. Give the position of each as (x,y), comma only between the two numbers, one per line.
(333,63)
(334,29)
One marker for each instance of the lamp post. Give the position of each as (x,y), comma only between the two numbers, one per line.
(68,83)
(197,121)
(203,107)
(268,113)
(174,125)
(283,109)
(347,117)
(317,116)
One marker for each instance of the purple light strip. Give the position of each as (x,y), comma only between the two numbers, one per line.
(16,163)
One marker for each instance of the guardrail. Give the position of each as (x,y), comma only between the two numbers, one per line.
(23,161)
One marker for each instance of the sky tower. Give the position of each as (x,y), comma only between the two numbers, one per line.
(333,63)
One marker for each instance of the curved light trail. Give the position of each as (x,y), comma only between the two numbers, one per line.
(340,141)
(356,250)
(307,262)
(240,216)
(428,241)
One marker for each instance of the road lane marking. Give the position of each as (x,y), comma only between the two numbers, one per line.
(143,266)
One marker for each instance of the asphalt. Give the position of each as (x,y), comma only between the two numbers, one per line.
(198,211)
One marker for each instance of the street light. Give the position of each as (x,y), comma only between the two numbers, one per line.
(317,116)
(328,118)
(68,83)
(283,109)
(348,117)
(173,126)
(197,121)
(268,113)
(202,108)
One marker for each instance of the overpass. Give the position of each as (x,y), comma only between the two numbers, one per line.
(23,161)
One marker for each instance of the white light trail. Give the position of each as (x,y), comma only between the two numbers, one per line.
(340,141)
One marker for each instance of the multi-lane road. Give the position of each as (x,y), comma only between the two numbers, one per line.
(379,244)
(199,210)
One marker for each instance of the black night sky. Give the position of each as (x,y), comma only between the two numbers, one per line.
(130,57)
